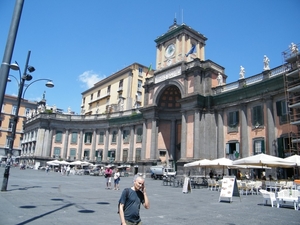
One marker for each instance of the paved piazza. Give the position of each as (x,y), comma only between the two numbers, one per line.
(35,197)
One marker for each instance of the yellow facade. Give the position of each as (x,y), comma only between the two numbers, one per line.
(7,115)
(119,92)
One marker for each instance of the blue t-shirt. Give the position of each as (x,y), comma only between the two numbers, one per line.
(132,205)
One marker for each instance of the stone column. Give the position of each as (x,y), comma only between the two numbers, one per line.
(153,151)
(106,144)
(131,145)
(196,134)
(94,138)
(220,134)
(66,143)
(183,136)
(129,101)
(119,144)
(79,154)
(244,138)
(144,141)
(197,76)
(40,140)
(48,143)
(172,140)
(183,47)
(270,127)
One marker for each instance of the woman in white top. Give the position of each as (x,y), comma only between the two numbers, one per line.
(116,179)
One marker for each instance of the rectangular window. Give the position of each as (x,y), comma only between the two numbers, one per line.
(126,136)
(8,141)
(98,94)
(88,138)
(162,153)
(138,154)
(101,137)
(140,71)
(282,111)
(139,135)
(86,154)
(108,89)
(140,85)
(139,97)
(99,155)
(72,153)
(121,85)
(125,155)
(58,136)
(14,109)
(74,137)
(233,150)
(114,137)
(56,152)
(111,154)
(258,146)
(27,112)
(257,116)
(233,121)
(92,97)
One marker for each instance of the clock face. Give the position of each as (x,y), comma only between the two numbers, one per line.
(170,50)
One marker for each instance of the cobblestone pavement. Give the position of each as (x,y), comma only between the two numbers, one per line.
(35,197)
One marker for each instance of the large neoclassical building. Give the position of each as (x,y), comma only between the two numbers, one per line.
(188,112)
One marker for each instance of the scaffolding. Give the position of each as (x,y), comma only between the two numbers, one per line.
(292,90)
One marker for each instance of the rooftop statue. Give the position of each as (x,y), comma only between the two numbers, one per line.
(242,72)
(220,79)
(294,48)
(266,63)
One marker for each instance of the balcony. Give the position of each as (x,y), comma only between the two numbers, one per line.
(107,95)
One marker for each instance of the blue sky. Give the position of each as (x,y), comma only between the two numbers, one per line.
(76,43)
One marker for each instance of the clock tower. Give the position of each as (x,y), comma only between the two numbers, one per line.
(180,43)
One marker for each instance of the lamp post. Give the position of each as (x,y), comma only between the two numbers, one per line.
(25,77)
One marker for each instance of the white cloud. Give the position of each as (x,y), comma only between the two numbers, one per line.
(89,78)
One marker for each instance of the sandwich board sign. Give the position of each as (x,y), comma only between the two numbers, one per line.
(229,188)
(187,185)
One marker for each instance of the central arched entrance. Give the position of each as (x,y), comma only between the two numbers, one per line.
(169,125)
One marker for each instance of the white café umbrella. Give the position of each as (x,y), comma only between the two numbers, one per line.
(198,163)
(263,160)
(53,163)
(248,167)
(221,162)
(294,158)
(63,162)
(76,163)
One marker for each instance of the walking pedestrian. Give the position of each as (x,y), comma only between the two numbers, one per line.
(68,170)
(116,179)
(130,201)
(108,173)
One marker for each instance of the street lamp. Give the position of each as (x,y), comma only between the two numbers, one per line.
(25,77)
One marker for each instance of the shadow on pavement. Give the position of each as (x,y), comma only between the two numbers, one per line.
(45,214)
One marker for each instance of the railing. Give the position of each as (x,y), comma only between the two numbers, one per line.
(83,117)
(278,71)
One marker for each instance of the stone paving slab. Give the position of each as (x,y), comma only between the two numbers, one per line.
(35,197)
